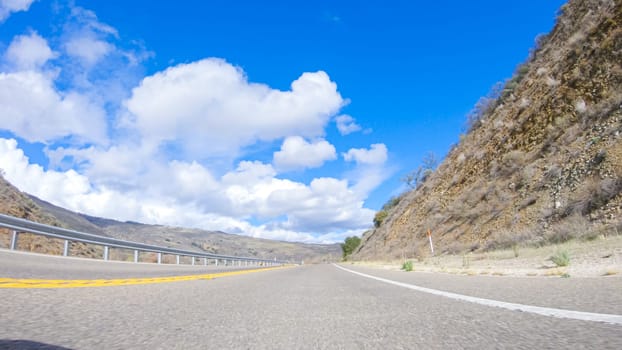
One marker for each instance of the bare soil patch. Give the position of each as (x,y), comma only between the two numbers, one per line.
(601,257)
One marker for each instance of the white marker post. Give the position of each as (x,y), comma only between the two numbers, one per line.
(430,239)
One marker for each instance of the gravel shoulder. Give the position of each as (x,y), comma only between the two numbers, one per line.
(601,257)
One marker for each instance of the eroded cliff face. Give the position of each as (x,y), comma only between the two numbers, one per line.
(541,163)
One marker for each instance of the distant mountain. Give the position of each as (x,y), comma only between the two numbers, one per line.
(542,160)
(23,205)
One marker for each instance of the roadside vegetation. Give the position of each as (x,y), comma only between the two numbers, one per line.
(349,245)
(561,258)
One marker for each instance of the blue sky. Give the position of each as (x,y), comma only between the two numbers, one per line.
(273,119)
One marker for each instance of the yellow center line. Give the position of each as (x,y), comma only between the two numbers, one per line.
(6,283)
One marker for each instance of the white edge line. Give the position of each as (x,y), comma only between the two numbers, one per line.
(544,311)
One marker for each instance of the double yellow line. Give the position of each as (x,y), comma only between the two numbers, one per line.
(42,283)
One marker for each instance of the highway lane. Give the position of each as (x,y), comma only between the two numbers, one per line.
(591,294)
(309,307)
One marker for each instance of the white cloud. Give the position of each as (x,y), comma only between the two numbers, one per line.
(172,154)
(31,108)
(88,49)
(28,52)
(376,155)
(9,6)
(346,124)
(297,153)
(327,205)
(324,211)
(95,61)
(209,108)
(33,179)
(89,21)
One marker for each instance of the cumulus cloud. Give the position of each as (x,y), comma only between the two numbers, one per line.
(209,108)
(375,155)
(27,52)
(327,204)
(177,147)
(346,124)
(9,6)
(31,108)
(192,196)
(297,153)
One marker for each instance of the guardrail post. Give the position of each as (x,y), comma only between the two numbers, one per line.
(66,248)
(106,251)
(177,259)
(204,261)
(193,261)
(216,264)
(14,240)
(135,256)
(159,258)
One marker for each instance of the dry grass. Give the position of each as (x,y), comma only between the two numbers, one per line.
(590,258)
(611,272)
(554,272)
(512,161)
(575,226)
(593,194)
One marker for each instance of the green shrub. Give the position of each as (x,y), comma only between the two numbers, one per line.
(407,266)
(379,218)
(349,245)
(561,258)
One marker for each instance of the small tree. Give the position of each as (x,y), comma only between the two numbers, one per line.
(418,176)
(349,245)
(379,218)
(484,106)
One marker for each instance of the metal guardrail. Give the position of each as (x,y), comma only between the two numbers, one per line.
(25,226)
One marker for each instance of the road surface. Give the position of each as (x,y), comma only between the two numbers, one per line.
(306,307)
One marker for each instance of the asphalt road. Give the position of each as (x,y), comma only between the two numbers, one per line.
(308,307)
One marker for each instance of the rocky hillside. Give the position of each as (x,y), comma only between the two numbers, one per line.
(15,203)
(21,205)
(542,160)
